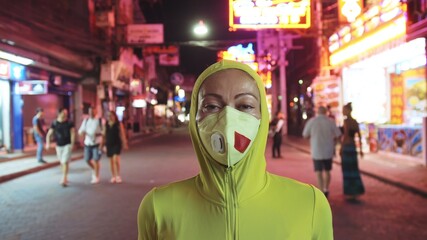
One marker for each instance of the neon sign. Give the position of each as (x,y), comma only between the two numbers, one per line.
(241,54)
(349,10)
(379,25)
(262,14)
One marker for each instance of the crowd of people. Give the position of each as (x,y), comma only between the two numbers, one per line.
(98,137)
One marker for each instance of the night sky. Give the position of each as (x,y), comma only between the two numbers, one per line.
(179,17)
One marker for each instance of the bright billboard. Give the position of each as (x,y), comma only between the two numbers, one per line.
(255,14)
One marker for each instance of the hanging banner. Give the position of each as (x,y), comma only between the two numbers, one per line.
(397,99)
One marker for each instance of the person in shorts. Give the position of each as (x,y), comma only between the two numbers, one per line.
(323,134)
(91,129)
(63,130)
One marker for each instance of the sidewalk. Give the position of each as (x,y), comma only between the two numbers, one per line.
(14,165)
(389,168)
(26,163)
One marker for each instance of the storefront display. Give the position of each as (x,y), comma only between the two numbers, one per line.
(10,112)
(390,96)
(401,140)
(384,77)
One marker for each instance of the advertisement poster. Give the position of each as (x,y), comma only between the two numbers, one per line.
(415,94)
(327,92)
(401,140)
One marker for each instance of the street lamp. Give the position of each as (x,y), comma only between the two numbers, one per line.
(200,29)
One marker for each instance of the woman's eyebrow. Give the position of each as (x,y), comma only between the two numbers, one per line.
(243,94)
(212,95)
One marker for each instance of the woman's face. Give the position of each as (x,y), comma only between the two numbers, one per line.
(230,87)
(345,111)
(111,117)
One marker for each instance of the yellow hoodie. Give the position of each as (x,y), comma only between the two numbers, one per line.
(239,202)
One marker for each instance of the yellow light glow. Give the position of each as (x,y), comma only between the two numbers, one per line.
(392,31)
(349,10)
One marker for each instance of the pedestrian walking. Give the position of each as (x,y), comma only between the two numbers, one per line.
(233,196)
(323,135)
(276,128)
(39,133)
(352,182)
(63,130)
(91,129)
(115,140)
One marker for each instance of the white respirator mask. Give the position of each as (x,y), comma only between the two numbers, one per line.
(228,134)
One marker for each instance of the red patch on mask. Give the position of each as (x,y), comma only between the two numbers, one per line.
(241,142)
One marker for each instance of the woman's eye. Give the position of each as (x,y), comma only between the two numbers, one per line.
(211,108)
(245,107)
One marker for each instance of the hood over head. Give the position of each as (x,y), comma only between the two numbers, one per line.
(249,175)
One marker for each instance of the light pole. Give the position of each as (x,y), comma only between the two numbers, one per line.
(282,67)
(285,44)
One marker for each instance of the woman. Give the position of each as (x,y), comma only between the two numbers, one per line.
(114,141)
(233,196)
(352,182)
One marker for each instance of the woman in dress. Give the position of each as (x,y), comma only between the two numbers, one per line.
(352,182)
(115,139)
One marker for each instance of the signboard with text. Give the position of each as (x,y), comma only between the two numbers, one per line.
(31,87)
(246,14)
(145,34)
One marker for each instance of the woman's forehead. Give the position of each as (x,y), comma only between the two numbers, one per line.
(229,80)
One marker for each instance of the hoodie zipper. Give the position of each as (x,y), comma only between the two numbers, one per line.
(231,200)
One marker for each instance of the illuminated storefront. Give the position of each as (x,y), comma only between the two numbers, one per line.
(383,75)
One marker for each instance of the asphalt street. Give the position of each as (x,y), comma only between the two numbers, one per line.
(35,206)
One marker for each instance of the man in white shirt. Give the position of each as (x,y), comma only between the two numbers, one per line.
(323,134)
(91,128)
